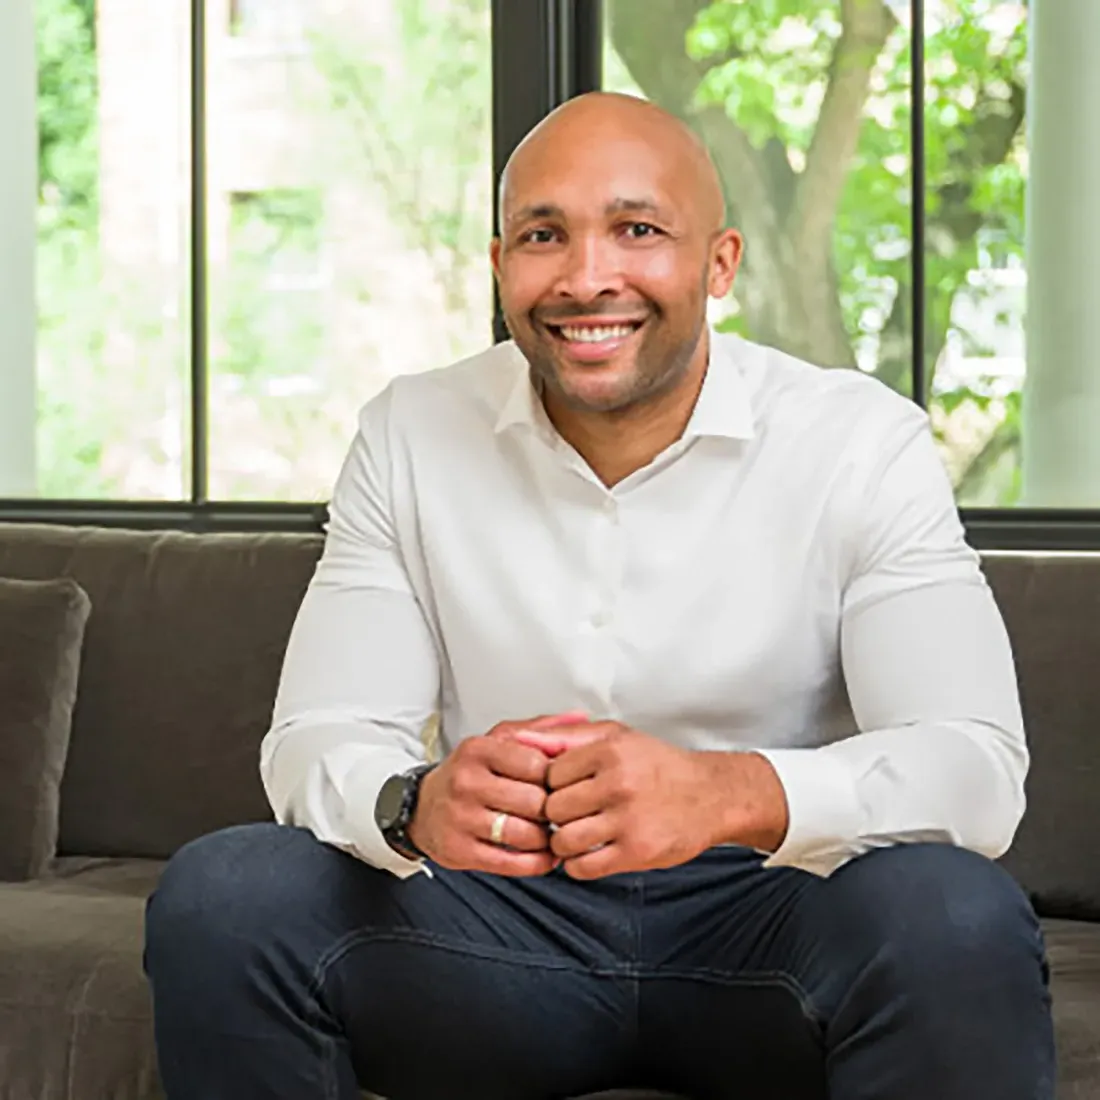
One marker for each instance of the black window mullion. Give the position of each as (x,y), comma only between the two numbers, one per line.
(919,198)
(544,52)
(198,343)
(587,46)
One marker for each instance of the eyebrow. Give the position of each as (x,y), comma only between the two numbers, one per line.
(617,206)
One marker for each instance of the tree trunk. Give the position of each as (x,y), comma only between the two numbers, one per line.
(789,285)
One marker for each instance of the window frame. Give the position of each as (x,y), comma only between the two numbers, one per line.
(543,53)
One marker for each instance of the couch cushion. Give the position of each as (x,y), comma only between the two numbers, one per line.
(1073,948)
(41,632)
(181,665)
(1051,605)
(74,1003)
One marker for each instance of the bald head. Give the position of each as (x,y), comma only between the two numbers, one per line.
(613,123)
(612,238)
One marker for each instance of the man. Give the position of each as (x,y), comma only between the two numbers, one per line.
(742,850)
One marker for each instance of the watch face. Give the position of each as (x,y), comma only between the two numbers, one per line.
(391,798)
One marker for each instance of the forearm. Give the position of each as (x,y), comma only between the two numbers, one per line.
(742,800)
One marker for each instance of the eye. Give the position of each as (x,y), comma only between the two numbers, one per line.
(639,231)
(540,235)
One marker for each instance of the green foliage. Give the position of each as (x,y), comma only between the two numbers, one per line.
(770,65)
(268,319)
(67,89)
(416,129)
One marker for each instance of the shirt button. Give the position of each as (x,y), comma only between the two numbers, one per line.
(601,620)
(610,507)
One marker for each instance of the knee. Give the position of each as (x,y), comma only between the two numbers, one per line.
(229,888)
(935,909)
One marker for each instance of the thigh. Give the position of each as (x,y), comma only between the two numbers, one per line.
(778,983)
(442,984)
(723,1011)
(487,988)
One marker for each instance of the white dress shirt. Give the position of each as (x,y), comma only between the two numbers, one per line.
(790,577)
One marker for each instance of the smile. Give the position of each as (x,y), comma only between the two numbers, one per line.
(594,342)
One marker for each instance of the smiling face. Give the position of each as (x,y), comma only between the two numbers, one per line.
(611,241)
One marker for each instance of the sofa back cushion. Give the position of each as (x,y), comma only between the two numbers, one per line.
(181,662)
(1051,605)
(41,634)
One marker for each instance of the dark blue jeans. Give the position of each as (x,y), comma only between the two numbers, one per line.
(283,968)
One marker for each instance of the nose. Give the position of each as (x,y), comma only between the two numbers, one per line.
(590,269)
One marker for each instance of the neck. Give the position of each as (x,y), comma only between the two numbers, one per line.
(617,444)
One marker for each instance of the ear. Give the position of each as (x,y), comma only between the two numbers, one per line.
(725,259)
(494,256)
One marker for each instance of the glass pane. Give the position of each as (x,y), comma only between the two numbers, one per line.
(112,262)
(805,107)
(350,218)
(978,168)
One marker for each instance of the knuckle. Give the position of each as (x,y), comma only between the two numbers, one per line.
(464,780)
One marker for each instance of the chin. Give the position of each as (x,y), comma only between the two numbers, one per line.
(598,399)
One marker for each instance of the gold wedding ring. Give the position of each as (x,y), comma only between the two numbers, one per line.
(496,834)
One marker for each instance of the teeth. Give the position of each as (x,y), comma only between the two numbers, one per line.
(594,334)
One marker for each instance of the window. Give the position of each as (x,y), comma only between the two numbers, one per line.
(251,214)
(349,199)
(112,272)
(976,283)
(346,199)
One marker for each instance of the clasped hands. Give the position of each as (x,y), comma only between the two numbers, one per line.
(597,798)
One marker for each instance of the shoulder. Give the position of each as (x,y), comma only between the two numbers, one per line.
(847,413)
(448,403)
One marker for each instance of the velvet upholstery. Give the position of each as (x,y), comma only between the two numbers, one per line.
(1051,605)
(181,663)
(41,633)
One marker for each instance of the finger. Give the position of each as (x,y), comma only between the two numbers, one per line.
(581,799)
(513,796)
(524,836)
(495,860)
(514,761)
(584,836)
(582,761)
(542,722)
(554,743)
(609,860)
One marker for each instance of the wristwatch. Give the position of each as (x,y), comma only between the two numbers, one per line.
(395,807)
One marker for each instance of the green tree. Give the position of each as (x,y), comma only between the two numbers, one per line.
(70,320)
(805,105)
(67,160)
(417,128)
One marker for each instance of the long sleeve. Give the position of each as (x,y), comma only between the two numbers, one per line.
(360,679)
(941,753)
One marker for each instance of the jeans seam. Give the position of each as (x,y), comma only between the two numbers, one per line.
(329,1082)
(761,978)
(361,937)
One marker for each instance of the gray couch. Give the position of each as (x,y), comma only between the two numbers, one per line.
(180,660)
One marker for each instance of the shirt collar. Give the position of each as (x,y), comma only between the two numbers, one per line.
(724,407)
